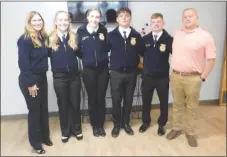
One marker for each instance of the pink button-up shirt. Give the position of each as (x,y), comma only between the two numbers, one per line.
(191,49)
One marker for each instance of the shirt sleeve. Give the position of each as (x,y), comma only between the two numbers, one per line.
(210,48)
(170,45)
(141,47)
(107,48)
(109,42)
(79,46)
(24,50)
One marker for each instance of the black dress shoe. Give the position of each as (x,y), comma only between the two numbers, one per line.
(128,129)
(95,132)
(79,136)
(161,131)
(65,139)
(40,151)
(144,127)
(115,132)
(102,132)
(48,142)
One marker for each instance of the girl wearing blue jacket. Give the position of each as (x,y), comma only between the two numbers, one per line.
(93,50)
(33,64)
(67,82)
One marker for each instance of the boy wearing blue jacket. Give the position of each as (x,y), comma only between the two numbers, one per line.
(124,59)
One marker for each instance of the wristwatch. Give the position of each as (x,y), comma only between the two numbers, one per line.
(203,79)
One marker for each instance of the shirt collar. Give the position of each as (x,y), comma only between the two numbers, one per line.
(158,34)
(191,31)
(60,34)
(90,30)
(121,30)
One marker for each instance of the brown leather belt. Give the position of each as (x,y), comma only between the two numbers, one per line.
(186,73)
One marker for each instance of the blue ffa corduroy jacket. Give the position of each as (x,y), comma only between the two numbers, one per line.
(64,59)
(32,59)
(124,56)
(156,58)
(93,48)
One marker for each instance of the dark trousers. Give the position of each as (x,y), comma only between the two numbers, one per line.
(38,122)
(122,87)
(67,87)
(96,81)
(149,84)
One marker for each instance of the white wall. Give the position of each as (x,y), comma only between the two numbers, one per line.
(13,16)
(212,17)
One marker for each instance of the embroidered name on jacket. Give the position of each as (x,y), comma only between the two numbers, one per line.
(148,45)
(84,38)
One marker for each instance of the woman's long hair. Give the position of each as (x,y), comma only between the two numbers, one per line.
(29,31)
(53,37)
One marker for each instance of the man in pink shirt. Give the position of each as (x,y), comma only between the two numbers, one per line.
(193,58)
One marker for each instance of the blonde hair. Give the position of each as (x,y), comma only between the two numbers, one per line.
(29,31)
(190,9)
(53,37)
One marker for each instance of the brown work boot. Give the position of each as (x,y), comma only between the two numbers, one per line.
(173,134)
(192,140)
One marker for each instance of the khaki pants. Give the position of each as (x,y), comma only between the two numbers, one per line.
(185,89)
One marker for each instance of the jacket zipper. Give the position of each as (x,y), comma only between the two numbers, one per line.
(67,57)
(96,63)
(125,46)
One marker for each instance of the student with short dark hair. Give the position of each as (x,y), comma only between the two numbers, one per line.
(124,59)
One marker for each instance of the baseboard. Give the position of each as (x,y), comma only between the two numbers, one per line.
(209,102)
(136,112)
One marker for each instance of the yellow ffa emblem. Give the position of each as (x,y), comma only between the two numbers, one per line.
(101,36)
(162,47)
(133,41)
(36,46)
(84,38)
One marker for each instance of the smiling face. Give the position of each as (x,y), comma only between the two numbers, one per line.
(62,21)
(157,24)
(36,22)
(93,17)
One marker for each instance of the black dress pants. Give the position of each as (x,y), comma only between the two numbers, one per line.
(67,87)
(38,121)
(122,87)
(149,84)
(96,81)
